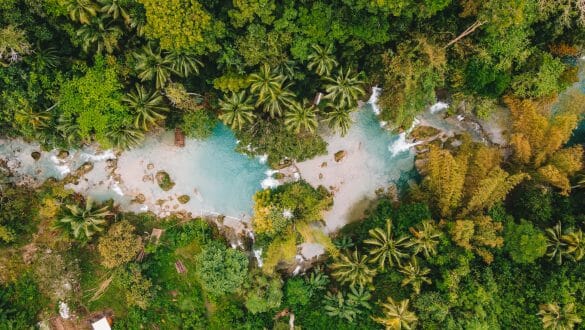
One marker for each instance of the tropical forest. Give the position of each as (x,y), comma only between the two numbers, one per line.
(292,164)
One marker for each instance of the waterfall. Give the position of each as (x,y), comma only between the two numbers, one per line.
(258,256)
(439,106)
(374,99)
(269,182)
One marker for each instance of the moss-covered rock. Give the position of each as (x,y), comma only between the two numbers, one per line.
(184,199)
(164,180)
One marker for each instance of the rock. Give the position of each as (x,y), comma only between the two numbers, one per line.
(86,167)
(140,199)
(63,154)
(150,166)
(184,199)
(164,181)
(320,176)
(340,155)
(424,132)
(35,155)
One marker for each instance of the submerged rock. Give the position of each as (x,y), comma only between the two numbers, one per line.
(164,181)
(35,155)
(184,199)
(63,154)
(340,155)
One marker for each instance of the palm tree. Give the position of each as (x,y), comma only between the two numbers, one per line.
(265,83)
(184,63)
(353,268)
(99,35)
(151,65)
(83,222)
(299,118)
(45,57)
(69,129)
(425,239)
(557,318)
(339,119)
(114,9)
(237,110)
(359,297)
(81,10)
(125,137)
(336,305)
(276,101)
(32,119)
(321,60)
(575,244)
(317,280)
(414,275)
(556,247)
(287,68)
(397,316)
(344,89)
(343,243)
(385,249)
(148,107)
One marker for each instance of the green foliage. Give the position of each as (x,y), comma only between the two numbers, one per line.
(92,103)
(297,292)
(524,242)
(542,83)
(119,245)
(279,143)
(198,124)
(180,24)
(262,293)
(138,288)
(82,222)
(221,270)
(482,78)
(18,212)
(20,303)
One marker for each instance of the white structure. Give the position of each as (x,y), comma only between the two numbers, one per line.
(101,324)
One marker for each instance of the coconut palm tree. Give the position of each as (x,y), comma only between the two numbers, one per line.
(344,89)
(396,315)
(151,65)
(336,305)
(81,10)
(148,107)
(184,63)
(353,268)
(338,119)
(321,60)
(100,35)
(343,243)
(83,222)
(114,9)
(414,275)
(277,101)
(557,318)
(265,82)
(556,247)
(385,249)
(425,238)
(575,244)
(125,137)
(299,118)
(237,110)
(287,68)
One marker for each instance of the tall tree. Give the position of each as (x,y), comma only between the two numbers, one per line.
(396,315)
(415,275)
(148,107)
(556,317)
(299,118)
(84,221)
(150,64)
(352,268)
(81,10)
(344,89)
(321,60)
(385,249)
(237,110)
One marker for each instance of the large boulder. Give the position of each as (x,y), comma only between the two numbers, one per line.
(340,155)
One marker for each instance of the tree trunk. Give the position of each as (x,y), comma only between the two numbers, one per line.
(465,33)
